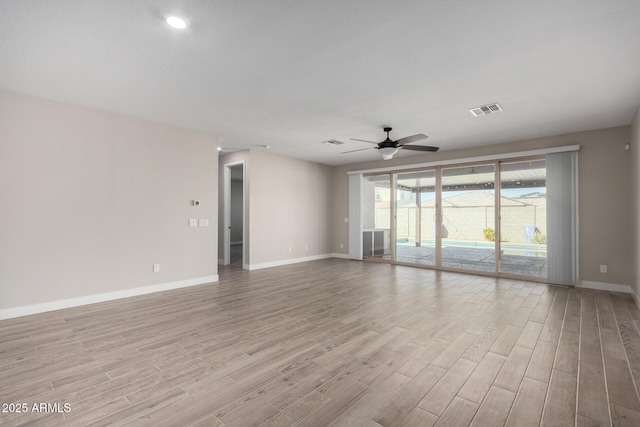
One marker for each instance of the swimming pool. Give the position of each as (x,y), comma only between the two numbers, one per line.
(522,249)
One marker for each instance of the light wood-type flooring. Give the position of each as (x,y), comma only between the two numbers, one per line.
(331,342)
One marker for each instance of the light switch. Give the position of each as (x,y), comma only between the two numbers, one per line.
(193,223)
(204,223)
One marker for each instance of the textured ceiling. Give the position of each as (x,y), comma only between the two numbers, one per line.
(292,73)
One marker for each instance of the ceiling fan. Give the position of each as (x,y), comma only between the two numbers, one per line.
(388,147)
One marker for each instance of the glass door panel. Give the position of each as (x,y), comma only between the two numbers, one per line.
(376,217)
(468,218)
(523,218)
(415,215)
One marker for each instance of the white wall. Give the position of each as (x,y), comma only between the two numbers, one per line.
(287,205)
(290,206)
(91,200)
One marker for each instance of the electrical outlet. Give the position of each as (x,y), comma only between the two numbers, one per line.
(203,223)
(603,269)
(193,223)
(156,268)
(306,248)
(289,250)
(341,245)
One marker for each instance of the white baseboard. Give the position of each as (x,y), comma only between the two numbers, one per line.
(287,262)
(610,287)
(337,255)
(9,313)
(293,261)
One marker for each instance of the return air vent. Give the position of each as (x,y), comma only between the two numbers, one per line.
(485,110)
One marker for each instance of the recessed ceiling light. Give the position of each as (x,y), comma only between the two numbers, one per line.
(176,22)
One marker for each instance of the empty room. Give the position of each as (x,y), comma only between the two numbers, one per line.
(336,213)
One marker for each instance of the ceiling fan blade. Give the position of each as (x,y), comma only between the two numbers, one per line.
(419,148)
(363,140)
(412,139)
(361,149)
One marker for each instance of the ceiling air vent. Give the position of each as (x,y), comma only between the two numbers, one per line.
(485,109)
(333,142)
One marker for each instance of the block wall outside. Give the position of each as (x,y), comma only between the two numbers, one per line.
(468,223)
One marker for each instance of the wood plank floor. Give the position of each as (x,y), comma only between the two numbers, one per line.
(331,342)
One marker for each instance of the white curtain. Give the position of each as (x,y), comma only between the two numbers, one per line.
(355,216)
(562,218)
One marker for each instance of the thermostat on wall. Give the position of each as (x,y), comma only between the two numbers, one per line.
(195,202)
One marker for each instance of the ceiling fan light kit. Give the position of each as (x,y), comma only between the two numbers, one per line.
(388,147)
(388,152)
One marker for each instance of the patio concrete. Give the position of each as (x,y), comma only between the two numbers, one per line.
(475,259)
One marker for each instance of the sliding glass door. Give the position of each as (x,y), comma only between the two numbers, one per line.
(523,218)
(485,217)
(468,218)
(415,217)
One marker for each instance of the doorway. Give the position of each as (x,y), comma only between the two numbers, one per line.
(234,215)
